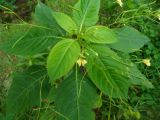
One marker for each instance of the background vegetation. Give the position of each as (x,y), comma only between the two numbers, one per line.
(143,15)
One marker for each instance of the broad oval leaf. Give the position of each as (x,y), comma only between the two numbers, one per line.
(75,98)
(43,16)
(27,40)
(86,12)
(24,91)
(108,72)
(62,58)
(137,78)
(100,34)
(65,22)
(129,40)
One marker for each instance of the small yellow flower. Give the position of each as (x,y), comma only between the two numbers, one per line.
(96,54)
(81,61)
(146,62)
(120,2)
(158,14)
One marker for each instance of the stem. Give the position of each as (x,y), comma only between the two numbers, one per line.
(77,88)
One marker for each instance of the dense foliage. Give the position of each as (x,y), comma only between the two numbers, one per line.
(69,66)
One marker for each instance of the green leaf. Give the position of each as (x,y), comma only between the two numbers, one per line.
(51,94)
(137,78)
(75,98)
(100,34)
(62,58)
(43,16)
(24,92)
(86,12)
(2,117)
(108,72)
(65,22)
(48,115)
(135,75)
(129,40)
(27,40)
(7,117)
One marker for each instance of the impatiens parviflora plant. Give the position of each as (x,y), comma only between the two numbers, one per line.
(84,58)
